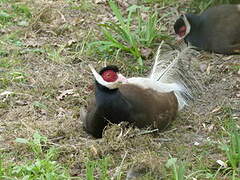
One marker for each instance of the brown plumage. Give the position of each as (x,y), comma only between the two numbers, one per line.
(146,108)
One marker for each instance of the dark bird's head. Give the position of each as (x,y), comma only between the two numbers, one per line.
(182,27)
(109,77)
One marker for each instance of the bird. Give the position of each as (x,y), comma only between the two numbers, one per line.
(144,102)
(217,29)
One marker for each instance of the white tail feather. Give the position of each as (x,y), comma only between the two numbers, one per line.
(168,75)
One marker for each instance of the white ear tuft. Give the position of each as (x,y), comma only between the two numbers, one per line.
(188,26)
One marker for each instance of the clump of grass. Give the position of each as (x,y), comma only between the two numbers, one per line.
(162,2)
(98,165)
(18,14)
(232,151)
(5,17)
(200,6)
(121,36)
(22,9)
(83,5)
(178,168)
(43,166)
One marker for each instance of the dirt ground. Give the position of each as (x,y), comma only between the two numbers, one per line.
(55,82)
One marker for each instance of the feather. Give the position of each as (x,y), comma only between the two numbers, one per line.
(169,74)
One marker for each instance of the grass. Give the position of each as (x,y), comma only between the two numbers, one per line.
(43,166)
(40,61)
(200,6)
(121,36)
(161,2)
(19,14)
(97,165)
(5,17)
(178,168)
(232,151)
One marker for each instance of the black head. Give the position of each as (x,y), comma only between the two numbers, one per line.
(110,67)
(182,27)
(179,24)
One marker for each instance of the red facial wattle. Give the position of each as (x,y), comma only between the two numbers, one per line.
(109,76)
(182,31)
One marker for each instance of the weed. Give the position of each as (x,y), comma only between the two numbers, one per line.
(39,105)
(122,37)
(5,63)
(162,2)
(5,17)
(18,76)
(42,167)
(22,9)
(17,14)
(178,168)
(55,54)
(82,5)
(4,1)
(99,165)
(200,6)
(3,53)
(35,144)
(6,78)
(232,151)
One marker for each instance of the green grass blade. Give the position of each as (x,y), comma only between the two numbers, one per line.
(116,28)
(117,12)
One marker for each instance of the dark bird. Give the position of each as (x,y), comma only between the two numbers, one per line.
(144,102)
(216,30)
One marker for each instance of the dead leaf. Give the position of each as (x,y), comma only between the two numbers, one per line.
(64,94)
(100,1)
(227,58)
(71,41)
(210,128)
(6,93)
(94,150)
(196,143)
(204,125)
(221,163)
(146,52)
(217,109)
(203,67)
(21,103)
(208,69)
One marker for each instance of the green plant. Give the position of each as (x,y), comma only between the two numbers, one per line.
(162,2)
(201,5)
(35,144)
(122,36)
(43,166)
(232,151)
(99,165)
(18,76)
(55,54)
(5,17)
(22,9)
(178,168)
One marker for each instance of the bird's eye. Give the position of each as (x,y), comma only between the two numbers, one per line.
(109,76)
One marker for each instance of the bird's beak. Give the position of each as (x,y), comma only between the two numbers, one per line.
(178,38)
(121,78)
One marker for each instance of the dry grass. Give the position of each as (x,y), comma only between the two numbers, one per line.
(56,83)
